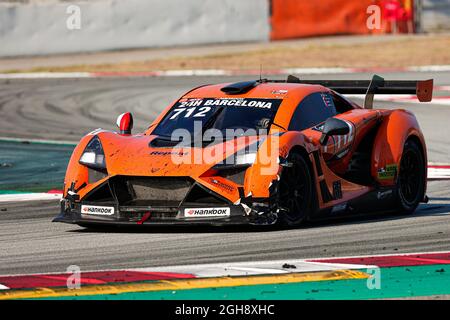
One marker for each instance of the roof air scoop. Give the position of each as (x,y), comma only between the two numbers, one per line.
(240,87)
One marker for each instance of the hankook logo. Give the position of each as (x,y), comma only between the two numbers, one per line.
(207,212)
(102,211)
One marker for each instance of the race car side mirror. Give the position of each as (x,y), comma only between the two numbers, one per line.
(333,127)
(125,123)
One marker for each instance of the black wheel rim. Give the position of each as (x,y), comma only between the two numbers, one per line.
(294,192)
(410,177)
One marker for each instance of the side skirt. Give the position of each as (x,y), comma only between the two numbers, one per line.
(377,201)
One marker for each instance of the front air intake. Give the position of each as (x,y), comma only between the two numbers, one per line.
(165,190)
(150,191)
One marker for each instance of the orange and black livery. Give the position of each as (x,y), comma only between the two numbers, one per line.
(257,152)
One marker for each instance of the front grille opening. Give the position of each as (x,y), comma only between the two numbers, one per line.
(121,189)
(101,194)
(237,175)
(153,191)
(200,195)
(154,215)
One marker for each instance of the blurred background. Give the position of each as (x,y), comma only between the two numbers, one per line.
(39,27)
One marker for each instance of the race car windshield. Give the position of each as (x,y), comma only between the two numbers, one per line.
(243,115)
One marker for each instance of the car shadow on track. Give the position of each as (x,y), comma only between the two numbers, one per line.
(430,209)
(176,229)
(424,210)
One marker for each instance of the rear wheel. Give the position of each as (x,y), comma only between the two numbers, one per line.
(411,178)
(296,193)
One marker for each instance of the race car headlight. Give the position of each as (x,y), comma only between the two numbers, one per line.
(245,159)
(93,155)
(237,160)
(242,158)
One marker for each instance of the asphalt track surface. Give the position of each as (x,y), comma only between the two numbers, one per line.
(67,109)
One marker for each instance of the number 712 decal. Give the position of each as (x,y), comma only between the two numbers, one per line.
(190,112)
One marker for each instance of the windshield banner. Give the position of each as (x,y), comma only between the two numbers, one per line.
(231,102)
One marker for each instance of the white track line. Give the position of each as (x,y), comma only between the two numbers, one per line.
(20,197)
(45,75)
(217,72)
(2,287)
(199,72)
(41,141)
(268,265)
(414,253)
(232,268)
(316,70)
(253,268)
(438,173)
(274,266)
(435,68)
(442,88)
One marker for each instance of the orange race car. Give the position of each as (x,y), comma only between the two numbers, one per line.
(259,152)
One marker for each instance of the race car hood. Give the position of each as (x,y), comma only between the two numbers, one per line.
(135,155)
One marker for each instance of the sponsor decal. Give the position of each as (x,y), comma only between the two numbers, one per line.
(168,153)
(279,91)
(201,107)
(327,100)
(222,185)
(339,208)
(337,190)
(190,102)
(383,194)
(242,102)
(387,173)
(96,210)
(207,212)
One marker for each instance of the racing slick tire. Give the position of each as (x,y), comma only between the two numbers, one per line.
(297,198)
(411,178)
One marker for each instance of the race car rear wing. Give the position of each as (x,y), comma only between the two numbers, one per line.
(423,89)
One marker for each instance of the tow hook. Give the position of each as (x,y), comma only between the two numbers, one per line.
(72,193)
(72,196)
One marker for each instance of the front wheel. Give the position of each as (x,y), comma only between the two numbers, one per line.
(411,178)
(296,193)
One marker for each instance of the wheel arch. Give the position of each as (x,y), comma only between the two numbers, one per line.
(395,130)
(302,151)
(259,184)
